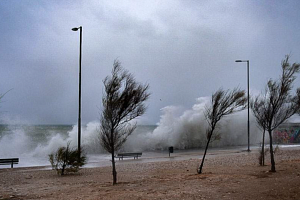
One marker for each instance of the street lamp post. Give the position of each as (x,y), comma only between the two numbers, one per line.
(79,101)
(248,100)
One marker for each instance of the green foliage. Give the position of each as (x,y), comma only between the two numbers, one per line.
(65,160)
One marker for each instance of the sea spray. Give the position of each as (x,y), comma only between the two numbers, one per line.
(33,143)
(18,140)
(90,143)
(187,129)
(15,143)
(178,127)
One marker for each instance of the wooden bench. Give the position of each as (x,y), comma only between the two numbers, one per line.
(10,161)
(134,155)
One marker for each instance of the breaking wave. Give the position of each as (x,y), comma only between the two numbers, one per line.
(183,129)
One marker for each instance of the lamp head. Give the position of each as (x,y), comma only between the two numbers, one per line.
(75,29)
(238,61)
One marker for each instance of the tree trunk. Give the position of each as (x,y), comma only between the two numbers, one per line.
(202,162)
(114,172)
(263,149)
(63,169)
(272,153)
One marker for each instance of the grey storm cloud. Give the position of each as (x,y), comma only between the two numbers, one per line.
(183,49)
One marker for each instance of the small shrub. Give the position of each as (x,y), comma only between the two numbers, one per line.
(260,156)
(276,149)
(65,160)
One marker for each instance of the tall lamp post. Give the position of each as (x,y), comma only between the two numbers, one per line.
(248,100)
(79,109)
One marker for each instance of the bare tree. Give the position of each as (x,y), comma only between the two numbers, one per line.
(222,103)
(122,102)
(277,104)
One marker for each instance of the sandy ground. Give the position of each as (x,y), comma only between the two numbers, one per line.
(233,176)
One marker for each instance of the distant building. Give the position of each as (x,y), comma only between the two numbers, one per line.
(287,133)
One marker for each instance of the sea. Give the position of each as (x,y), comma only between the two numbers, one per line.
(184,129)
(33,143)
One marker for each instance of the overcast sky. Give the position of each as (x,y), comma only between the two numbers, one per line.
(184,49)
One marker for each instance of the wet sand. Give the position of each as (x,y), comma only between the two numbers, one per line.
(226,175)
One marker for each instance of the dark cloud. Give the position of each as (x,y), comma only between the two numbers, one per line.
(183,49)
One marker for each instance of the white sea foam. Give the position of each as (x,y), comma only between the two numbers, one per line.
(183,129)
(187,129)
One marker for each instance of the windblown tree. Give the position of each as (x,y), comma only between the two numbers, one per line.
(258,107)
(123,101)
(278,104)
(223,103)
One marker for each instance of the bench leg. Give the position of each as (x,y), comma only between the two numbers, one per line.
(12,165)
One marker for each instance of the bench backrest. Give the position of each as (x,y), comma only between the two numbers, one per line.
(129,154)
(9,160)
